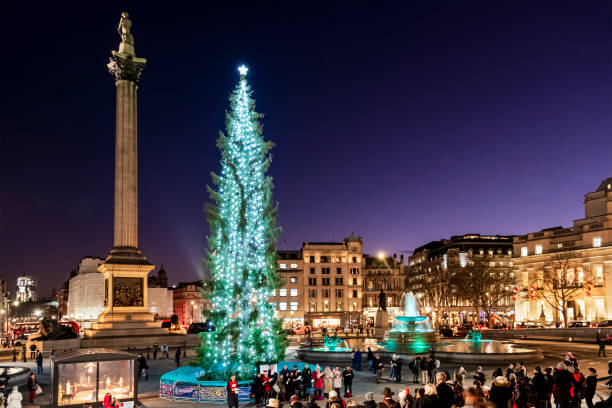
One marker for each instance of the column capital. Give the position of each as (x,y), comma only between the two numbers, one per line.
(126,66)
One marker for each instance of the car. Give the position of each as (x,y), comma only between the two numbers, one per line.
(605,323)
(195,328)
(529,325)
(580,323)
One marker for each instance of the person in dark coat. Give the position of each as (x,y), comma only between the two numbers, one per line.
(564,380)
(479,376)
(39,362)
(177,357)
(371,360)
(347,376)
(591,386)
(414,366)
(369,400)
(601,342)
(446,396)
(398,369)
(143,367)
(257,389)
(500,392)
(569,358)
(357,360)
(509,370)
(540,387)
(307,380)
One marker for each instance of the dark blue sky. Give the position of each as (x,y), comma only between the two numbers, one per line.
(404,122)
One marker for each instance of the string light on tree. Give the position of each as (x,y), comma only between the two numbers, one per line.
(242,249)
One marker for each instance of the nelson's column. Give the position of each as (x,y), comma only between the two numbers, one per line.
(125,269)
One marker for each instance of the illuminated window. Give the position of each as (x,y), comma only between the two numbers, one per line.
(444,261)
(510,252)
(282,306)
(273,292)
(490,252)
(312,293)
(596,242)
(339,306)
(293,266)
(538,249)
(282,292)
(326,307)
(560,245)
(525,278)
(524,251)
(293,279)
(571,276)
(293,305)
(598,273)
(463,259)
(313,307)
(339,293)
(283,266)
(580,276)
(294,292)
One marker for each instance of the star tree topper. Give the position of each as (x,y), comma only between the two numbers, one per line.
(243,70)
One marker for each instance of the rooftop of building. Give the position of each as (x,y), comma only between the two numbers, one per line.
(458,240)
(605,185)
(289,254)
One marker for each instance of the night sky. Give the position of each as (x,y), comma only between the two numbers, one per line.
(403,123)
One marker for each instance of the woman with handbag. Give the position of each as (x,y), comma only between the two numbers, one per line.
(33,387)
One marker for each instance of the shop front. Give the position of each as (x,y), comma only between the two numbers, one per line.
(84,377)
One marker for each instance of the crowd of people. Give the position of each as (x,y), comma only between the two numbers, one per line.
(562,386)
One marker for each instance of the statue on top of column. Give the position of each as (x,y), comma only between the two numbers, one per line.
(125,25)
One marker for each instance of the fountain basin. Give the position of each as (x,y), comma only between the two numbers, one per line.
(455,351)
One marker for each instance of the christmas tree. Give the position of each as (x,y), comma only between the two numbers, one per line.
(242,249)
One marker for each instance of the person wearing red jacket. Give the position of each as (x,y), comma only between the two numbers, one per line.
(232,392)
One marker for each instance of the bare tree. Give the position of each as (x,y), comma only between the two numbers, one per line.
(558,280)
(482,283)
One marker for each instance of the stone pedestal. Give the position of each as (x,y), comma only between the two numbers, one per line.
(381,323)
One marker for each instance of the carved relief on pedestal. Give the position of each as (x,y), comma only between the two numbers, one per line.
(128,292)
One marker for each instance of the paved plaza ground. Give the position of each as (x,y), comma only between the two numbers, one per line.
(364,380)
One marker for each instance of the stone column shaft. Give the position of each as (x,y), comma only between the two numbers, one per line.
(126,166)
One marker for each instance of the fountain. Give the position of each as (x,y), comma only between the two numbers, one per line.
(411,334)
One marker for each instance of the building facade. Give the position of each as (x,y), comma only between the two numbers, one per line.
(86,292)
(322,284)
(188,302)
(435,257)
(161,299)
(587,245)
(386,274)
(289,300)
